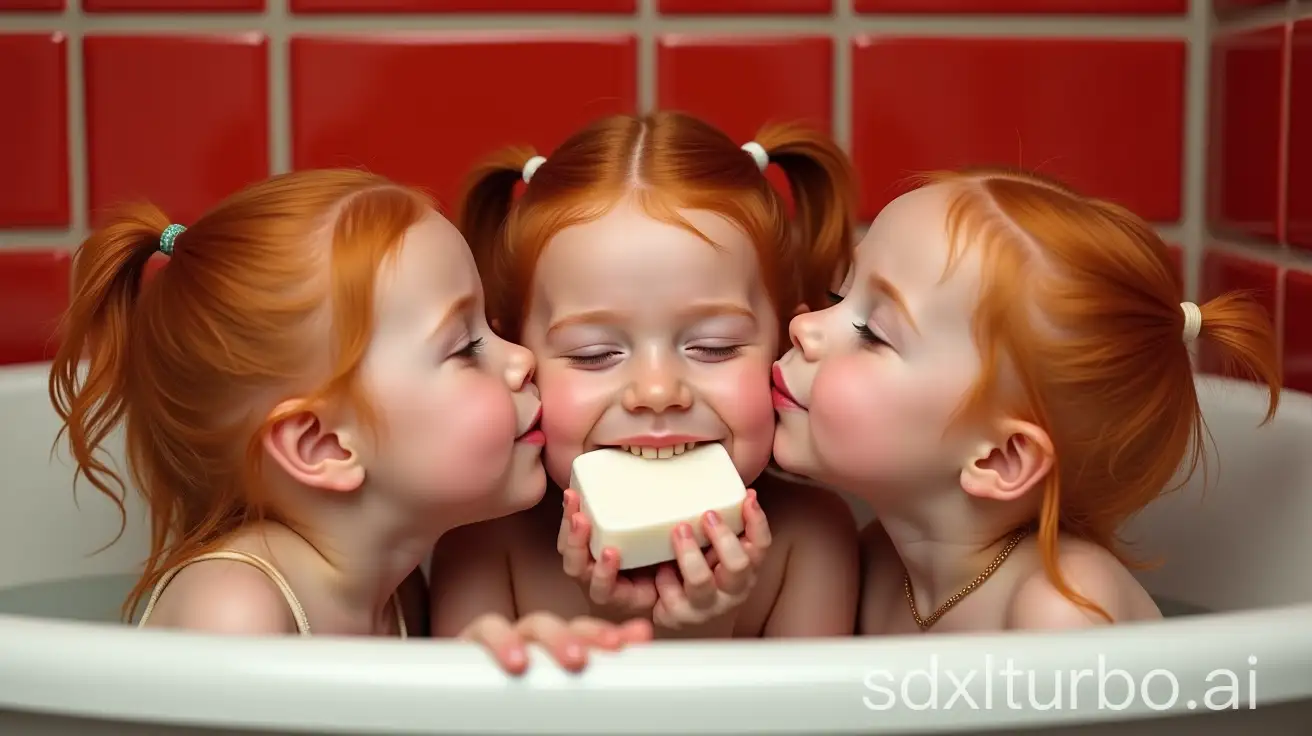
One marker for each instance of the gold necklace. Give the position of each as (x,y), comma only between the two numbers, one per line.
(924,624)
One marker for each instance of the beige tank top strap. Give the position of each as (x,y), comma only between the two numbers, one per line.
(302,623)
(298,612)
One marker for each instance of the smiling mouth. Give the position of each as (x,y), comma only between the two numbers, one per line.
(656,449)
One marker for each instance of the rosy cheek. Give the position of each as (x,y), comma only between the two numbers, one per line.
(845,403)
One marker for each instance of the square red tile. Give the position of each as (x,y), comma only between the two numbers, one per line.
(1224,272)
(1298,230)
(34,286)
(1298,331)
(706,7)
(933,103)
(1244,131)
(423,110)
(1118,7)
(740,83)
(1228,7)
(179,120)
(38,5)
(34,131)
(463,6)
(188,6)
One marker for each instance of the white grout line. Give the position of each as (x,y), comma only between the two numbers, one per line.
(1044,25)
(647,37)
(1193,235)
(280,119)
(843,20)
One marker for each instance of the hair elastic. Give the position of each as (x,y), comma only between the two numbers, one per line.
(1193,321)
(758,154)
(531,167)
(167,237)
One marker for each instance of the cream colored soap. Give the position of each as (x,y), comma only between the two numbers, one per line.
(634,503)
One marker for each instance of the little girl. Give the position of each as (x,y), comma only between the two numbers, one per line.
(1006,380)
(311,398)
(648,265)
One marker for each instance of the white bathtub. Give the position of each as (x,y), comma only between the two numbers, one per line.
(1242,548)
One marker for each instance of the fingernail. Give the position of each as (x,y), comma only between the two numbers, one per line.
(573,651)
(712,518)
(573,524)
(515,657)
(685,531)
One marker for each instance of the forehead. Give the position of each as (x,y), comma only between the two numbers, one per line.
(628,260)
(907,245)
(432,263)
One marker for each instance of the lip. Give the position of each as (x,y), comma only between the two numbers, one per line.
(779,393)
(660,440)
(532,426)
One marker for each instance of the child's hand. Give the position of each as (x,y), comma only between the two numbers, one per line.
(601,580)
(715,584)
(567,641)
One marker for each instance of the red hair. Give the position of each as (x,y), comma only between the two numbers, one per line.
(668,161)
(1097,345)
(194,360)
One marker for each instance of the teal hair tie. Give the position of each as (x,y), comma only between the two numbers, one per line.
(167,237)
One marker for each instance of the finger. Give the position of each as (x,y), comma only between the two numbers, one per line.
(635,594)
(568,510)
(577,559)
(555,636)
(672,600)
(756,529)
(596,632)
(635,630)
(698,580)
(601,588)
(733,574)
(499,636)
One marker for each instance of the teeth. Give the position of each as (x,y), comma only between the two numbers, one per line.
(658,453)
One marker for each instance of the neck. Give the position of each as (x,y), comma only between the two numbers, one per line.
(946,539)
(369,547)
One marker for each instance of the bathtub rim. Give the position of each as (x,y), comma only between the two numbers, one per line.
(390,686)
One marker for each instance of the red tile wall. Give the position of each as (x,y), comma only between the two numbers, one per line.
(1259,169)
(182,101)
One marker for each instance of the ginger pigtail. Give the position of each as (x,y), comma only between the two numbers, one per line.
(97,326)
(485,202)
(823,184)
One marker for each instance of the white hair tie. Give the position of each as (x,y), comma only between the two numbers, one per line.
(1193,321)
(531,167)
(758,154)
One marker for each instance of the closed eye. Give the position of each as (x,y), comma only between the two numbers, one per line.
(717,352)
(591,361)
(869,337)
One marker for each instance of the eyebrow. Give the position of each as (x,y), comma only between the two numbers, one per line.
(880,284)
(457,308)
(692,312)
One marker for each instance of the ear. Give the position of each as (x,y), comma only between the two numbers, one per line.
(1008,468)
(312,453)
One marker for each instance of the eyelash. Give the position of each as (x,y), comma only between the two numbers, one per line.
(725,352)
(471,350)
(869,337)
(835,297)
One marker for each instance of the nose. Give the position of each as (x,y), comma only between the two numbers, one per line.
(806,333)
(657,386)
(519,365)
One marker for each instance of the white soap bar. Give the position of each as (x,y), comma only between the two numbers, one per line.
(635,503)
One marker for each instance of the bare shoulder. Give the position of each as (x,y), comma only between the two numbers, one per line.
(223,597)
(1092,573)
(817,573)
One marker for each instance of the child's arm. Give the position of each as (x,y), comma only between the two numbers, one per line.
(821,583)
(469,578)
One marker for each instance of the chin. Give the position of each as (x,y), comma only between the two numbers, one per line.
(791,455)
(528,487)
